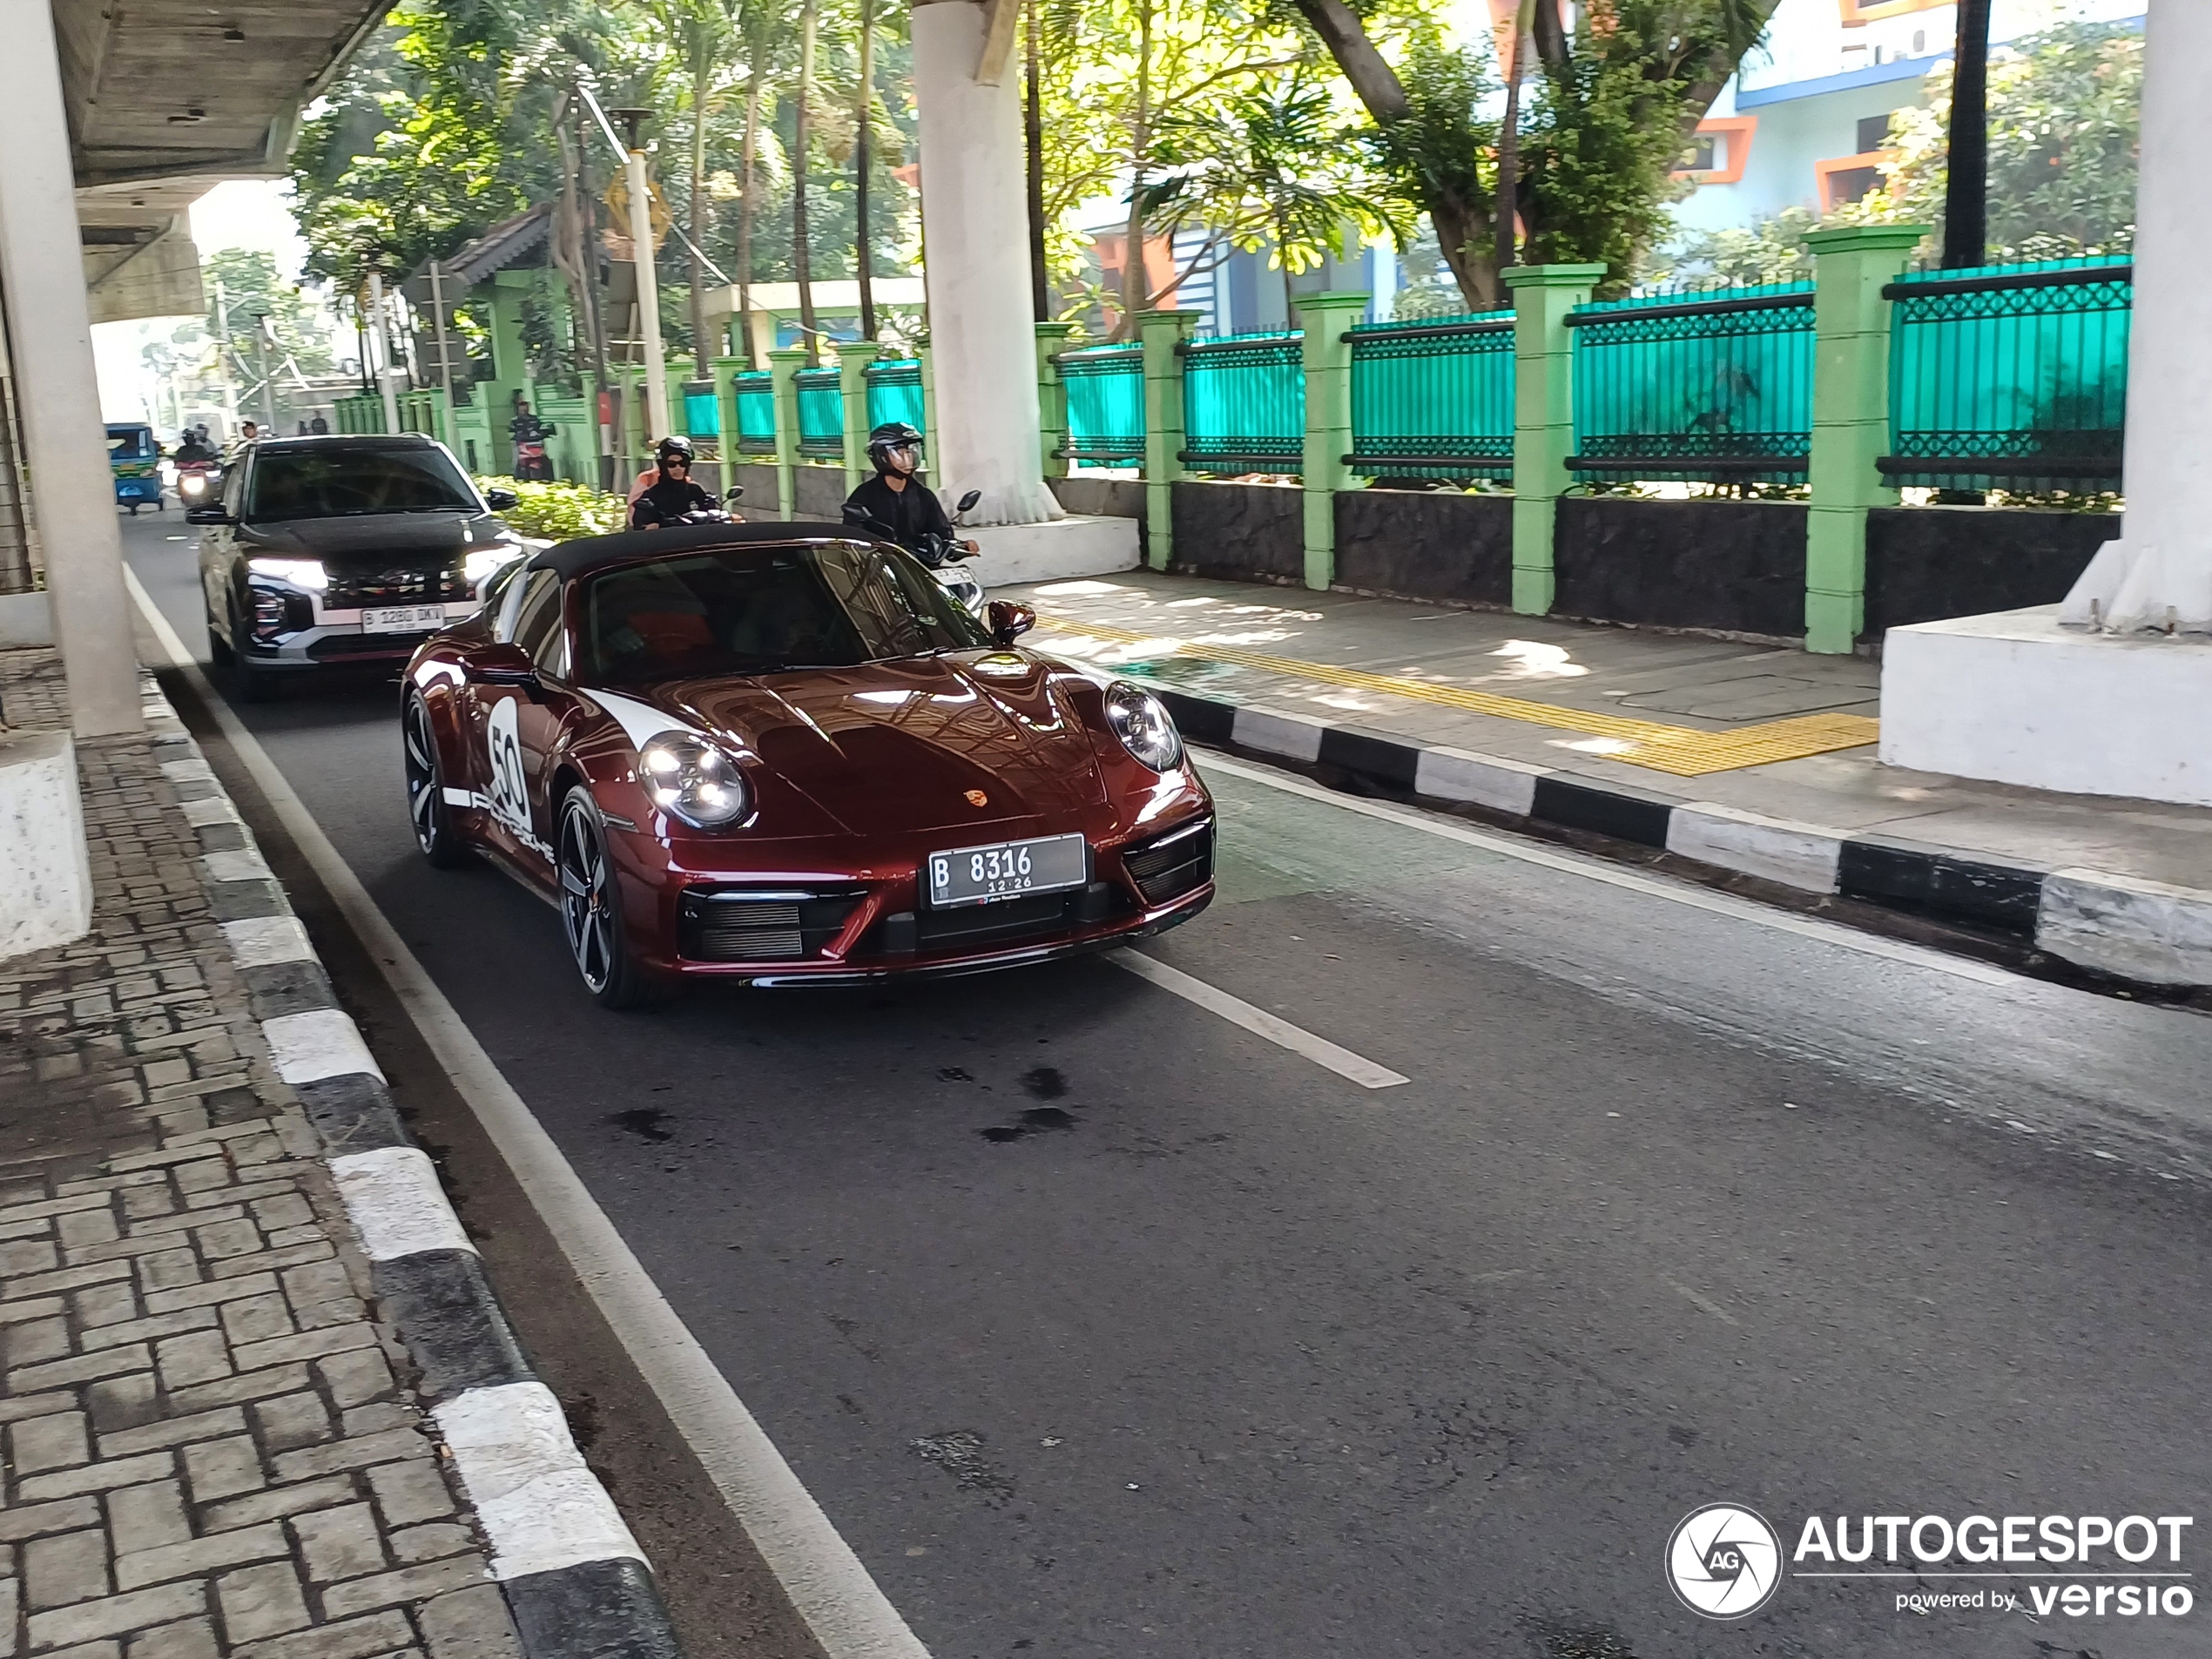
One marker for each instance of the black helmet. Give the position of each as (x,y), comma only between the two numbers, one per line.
(677,448)
(892,435)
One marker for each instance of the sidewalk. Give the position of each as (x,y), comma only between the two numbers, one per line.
(1758,760)
(246,1408)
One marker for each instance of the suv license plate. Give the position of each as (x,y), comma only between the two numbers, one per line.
(403,619)
(967,875)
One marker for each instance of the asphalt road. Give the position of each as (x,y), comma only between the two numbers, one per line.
(1220,1355)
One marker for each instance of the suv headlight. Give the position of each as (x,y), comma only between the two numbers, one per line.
(298,573)
(1143,724)
(693,779)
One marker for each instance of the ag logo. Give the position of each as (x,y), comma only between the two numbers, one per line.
(1724,1561)
(511,802)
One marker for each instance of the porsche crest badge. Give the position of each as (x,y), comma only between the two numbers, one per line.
(977,798)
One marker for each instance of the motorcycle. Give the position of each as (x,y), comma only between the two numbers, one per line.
(942,553)
(198,481)
(531,463)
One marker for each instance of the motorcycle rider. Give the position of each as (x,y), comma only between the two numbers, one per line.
(675,443)
(190,448)
(672,493)
(908,509)
(530,434)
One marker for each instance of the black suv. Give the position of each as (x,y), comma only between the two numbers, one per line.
(342,551)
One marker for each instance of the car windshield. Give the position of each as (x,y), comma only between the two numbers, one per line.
(130,443)
(341,483)
(761,611)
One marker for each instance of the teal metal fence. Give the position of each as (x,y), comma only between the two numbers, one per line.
(821,415)
(2010,376)
(894,393)
(756,412)
(1244,403)
(1433,400)
(1714,387)
(702,410)
(1105,387)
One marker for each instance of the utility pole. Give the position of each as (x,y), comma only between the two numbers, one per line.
(862,259)
(802,238)
(603,405)
(641,250)
(445,350)
(1965,197)
(223,357)
(262,361)
(1033,136)
(380,346)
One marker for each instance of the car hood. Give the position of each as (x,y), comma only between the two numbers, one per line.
(910,744)
(375,540)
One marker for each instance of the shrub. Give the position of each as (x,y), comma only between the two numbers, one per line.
(559,512)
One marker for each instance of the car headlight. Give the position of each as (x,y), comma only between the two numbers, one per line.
(693,779)
(1143,724)
(298,573)
(484,563)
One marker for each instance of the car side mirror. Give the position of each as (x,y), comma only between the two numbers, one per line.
(969,501)
(1007,621)
(211,512)
(504,665)
(500,500)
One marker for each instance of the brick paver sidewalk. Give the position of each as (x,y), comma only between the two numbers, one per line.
(208,1450)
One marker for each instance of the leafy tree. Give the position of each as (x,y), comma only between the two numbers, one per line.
(1771,250)
(1616,101)
(2063,113)
(252,287)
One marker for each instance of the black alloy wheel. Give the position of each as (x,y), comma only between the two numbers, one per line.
(591,908)
(218,649)
(426,797)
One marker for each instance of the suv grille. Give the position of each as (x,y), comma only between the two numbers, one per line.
(731,925)
(1178,862)
(394,588)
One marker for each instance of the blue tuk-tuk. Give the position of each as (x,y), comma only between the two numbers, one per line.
(135,458)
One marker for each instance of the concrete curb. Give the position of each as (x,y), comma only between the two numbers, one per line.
(575,1580)
(2118,925)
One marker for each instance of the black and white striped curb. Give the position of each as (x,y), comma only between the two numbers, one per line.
(2118,925)
(575,1580)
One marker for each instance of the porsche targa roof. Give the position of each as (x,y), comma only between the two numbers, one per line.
(589,553)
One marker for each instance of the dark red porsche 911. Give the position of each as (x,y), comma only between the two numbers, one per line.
(773,753)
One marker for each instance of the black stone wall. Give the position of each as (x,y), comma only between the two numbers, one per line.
(1425,544)
(1729,566)
(1100,497)
(1925,564)
(1240,530)
(821,492)
(759,498)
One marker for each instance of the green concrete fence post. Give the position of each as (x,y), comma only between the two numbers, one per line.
(1161,332)
(726,370)
(1052,398)
(784,365)
(854,357)
(1543,416)
(929,403)
(1850,420)
(1323,318)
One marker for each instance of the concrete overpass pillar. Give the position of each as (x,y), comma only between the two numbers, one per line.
(49,332)
(984,419)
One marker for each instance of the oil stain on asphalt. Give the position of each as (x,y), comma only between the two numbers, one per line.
(1036,1118)
(646,1122)
(960,1453)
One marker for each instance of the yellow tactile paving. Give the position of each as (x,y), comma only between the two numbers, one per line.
(1682,751)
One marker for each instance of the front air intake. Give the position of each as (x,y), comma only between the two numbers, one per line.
(1178,862)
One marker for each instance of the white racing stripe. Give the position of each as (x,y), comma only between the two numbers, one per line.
(842,1605)
(1720,904)
(1258,1022)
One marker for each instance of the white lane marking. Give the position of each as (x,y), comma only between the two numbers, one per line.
(323,1042)
(1720,904)
(541,1508)
(843,1606)
(397,1206)
(1258,1022)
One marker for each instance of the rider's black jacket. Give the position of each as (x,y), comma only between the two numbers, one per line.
(667,500)
(912,513)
